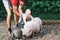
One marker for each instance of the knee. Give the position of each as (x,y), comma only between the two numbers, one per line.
(9,13)
(14,9)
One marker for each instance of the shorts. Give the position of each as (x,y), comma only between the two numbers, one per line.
(14,2)
(6,4)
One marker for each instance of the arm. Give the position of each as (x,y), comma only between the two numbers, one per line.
(24,19)
(21,2)
(20,9)
(31,16)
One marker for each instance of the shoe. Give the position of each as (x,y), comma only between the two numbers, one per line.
(16,25)
(9,34)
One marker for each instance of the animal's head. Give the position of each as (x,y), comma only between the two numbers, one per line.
(27,32)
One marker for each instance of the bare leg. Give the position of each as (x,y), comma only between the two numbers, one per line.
(16,19)
(8,20)
(16,14)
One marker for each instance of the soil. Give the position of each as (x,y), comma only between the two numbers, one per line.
(48,32)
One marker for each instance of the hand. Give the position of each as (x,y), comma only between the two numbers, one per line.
(21,3)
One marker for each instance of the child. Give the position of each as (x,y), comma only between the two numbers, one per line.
(27,16)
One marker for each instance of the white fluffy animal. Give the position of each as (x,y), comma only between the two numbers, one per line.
(32,26)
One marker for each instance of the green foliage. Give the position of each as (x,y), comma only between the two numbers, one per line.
(40,8)
(43,6)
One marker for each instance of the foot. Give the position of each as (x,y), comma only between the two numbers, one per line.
(16,25)
(9,34)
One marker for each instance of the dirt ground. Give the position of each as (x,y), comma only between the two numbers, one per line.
(48,32)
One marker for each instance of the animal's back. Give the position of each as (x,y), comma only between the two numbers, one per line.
(32,25)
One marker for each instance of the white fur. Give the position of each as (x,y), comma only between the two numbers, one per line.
(32,26)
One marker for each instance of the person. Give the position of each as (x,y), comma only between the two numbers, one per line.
(7,5)
(26,17)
